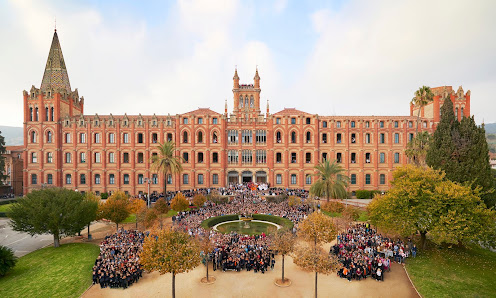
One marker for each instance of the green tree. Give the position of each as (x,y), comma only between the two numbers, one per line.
(116,208)
(166,161)
(331,182)
(283,241)
(460,149)
(7,260)
(136,206)
(316,229)
(418,147)
(422,200)
(170,252)
(89,209)
(2,159)
(56,211)
(423,96)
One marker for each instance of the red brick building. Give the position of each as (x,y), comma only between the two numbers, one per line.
(13,169)
(64,147)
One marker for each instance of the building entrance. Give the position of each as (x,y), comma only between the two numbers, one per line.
(261,177)
(247,176)
(232,177)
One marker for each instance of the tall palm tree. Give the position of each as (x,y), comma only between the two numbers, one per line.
(331,183)
(423,96)
(417,148)
(166,161)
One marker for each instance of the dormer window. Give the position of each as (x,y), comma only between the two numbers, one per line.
(293,120)
(96,123)
(200,120)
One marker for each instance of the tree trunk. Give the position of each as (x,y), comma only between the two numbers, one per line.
(173,285)
(117,226)
(136,222)
(315,284)
(89,230)
(206,259)
(282,268)
(56,240)
(165,186)
(423,239)
(418,118)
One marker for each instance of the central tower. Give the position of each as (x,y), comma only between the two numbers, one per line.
(246,97)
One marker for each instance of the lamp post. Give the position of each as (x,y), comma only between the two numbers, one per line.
(148,181)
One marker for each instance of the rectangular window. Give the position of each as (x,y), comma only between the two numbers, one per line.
(67,138)
(396,157)
(278,120)
(278,179)
(324,124)
(82,179)
(246,136)
(126,178)
(125,138)
(338,157)
(111,138)
(293,157)
(140,138)
(382,138)
(125,157)
(169,179)
(278,157)
(68,179)
(97,138)
(49,179)
(338,124)
(367,158)
(200,178)
(396,124)
(140,179)
(67,157)
(353,179)
(381,124)
(396,138)
(382,157)
(111,179)
(246,156)
(308,179)
(200,157)
(82,138)
(367,138)
(338,138)
(232,136)
(97,157)
(232,156)
(185,157)
(352,124)
(215,157)
(261,156)
(367,179)
(185,176)
(261,136)
(215,179)
(293,120)
(49,157)
(293,179)
(185,120)
(34,179)
(324,138)
(382,179)
(215,120)
(97,179)
(82,157)
(324,156)
(200,120)
(367,124)
(111,157)
(155,179)
(410,137)
(34,157)
(140,157)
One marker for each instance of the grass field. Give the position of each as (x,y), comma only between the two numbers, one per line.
(455,272)
(51,272)
(5,208)
(363,215)
(256,228)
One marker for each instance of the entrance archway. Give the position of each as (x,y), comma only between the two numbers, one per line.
(232,177)
(247,176)
(261,177)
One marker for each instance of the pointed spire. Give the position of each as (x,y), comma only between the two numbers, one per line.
(225,107)
(236,77)
(257,77)
(55,75)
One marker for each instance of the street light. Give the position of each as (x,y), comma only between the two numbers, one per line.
(148,181)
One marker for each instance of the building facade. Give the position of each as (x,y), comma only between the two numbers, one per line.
(13,169)
(64,147)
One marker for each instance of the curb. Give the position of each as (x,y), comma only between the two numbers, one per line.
(86,290)
(283,286)
(408,275)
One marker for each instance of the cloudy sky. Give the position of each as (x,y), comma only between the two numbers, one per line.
(324,57)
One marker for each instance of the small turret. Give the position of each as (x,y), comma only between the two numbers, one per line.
(267,107)
(257,79)
(236,79)
(225,107)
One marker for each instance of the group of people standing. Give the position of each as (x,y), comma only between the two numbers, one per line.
(118,265)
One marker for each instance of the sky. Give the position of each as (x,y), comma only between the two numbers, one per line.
(356,57)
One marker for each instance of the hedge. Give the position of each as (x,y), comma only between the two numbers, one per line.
(208,223)
(212,221)
(2,202)
(366,194)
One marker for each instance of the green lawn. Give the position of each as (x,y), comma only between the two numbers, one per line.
(454,272)
(51,272)
(5,208)
(363,215)
(130,219)
(171,213)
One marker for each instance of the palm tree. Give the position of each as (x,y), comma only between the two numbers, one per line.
(331,183)
(417,148)
(423,96)
(166,161)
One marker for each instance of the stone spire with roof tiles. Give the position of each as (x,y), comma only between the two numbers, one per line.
(55,76)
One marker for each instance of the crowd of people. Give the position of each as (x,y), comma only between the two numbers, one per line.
(118,265)
(364,253)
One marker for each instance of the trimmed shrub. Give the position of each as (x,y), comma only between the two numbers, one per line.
(212,221)
(104,195)
(363,194)
(336,207)
(276,199)
(286,223)
(7,260)
(351,213)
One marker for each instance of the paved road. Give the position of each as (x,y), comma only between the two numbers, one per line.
(21,243)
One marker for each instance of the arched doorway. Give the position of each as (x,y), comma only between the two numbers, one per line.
(261,177)
(247,176)
(232,177)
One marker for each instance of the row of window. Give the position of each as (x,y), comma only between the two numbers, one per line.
(367,124)
(34,114)
(215,120)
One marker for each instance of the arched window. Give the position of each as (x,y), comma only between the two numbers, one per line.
(278,137)
(462,113)
(308,179)
(252,102)
(278,157)
(200,157)
(241,101)
(308,139)
(52,113)
(31,114)
(214,138)
(353,157)
(200,137)
(36,114)
(293,137)
(33,137)
(49,137)
(246,101)
(46,114)
(185,137)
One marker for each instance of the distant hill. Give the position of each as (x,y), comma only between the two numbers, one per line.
(13,135)
(490,127)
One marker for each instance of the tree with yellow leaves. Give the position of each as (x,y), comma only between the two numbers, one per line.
(179,202)
(136,206)
(170,252)
(206,246)
(199,200)
(316,229)
(116,208)
(283,241)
